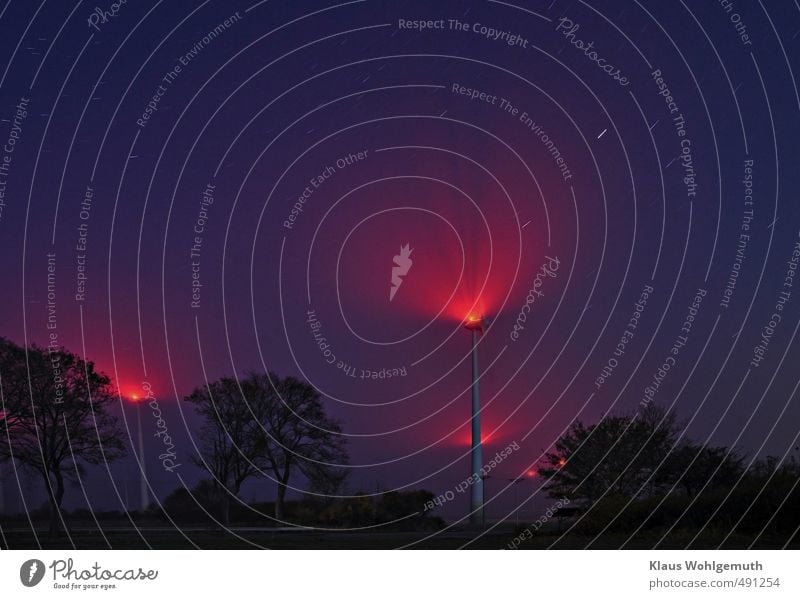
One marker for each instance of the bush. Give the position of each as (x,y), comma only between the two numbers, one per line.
(757,504)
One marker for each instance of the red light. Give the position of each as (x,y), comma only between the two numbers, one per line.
(531,473)
(474,323)
(464,438)
(562,461)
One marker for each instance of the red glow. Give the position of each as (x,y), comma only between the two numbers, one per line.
(464,438)
(531,473)
(465,258)
(562,461)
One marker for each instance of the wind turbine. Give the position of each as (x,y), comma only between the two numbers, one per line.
(476,324)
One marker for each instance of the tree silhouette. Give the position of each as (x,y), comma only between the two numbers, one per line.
(696,467)
(265,423)
(299,435)
(231,438)
(54,417)
(636,457)
(618,456)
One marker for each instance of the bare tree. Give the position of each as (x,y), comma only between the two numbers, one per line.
(54,417)
(231,438)
(299,435)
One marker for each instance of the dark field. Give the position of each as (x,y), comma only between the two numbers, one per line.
(252,538)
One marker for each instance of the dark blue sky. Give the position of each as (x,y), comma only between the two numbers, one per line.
(626,186)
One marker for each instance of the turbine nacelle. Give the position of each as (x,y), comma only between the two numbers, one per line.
(476,323)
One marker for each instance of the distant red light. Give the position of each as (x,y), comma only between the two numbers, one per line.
(531,473)
(562,461)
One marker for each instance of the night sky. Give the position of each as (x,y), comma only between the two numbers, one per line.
(229,214)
